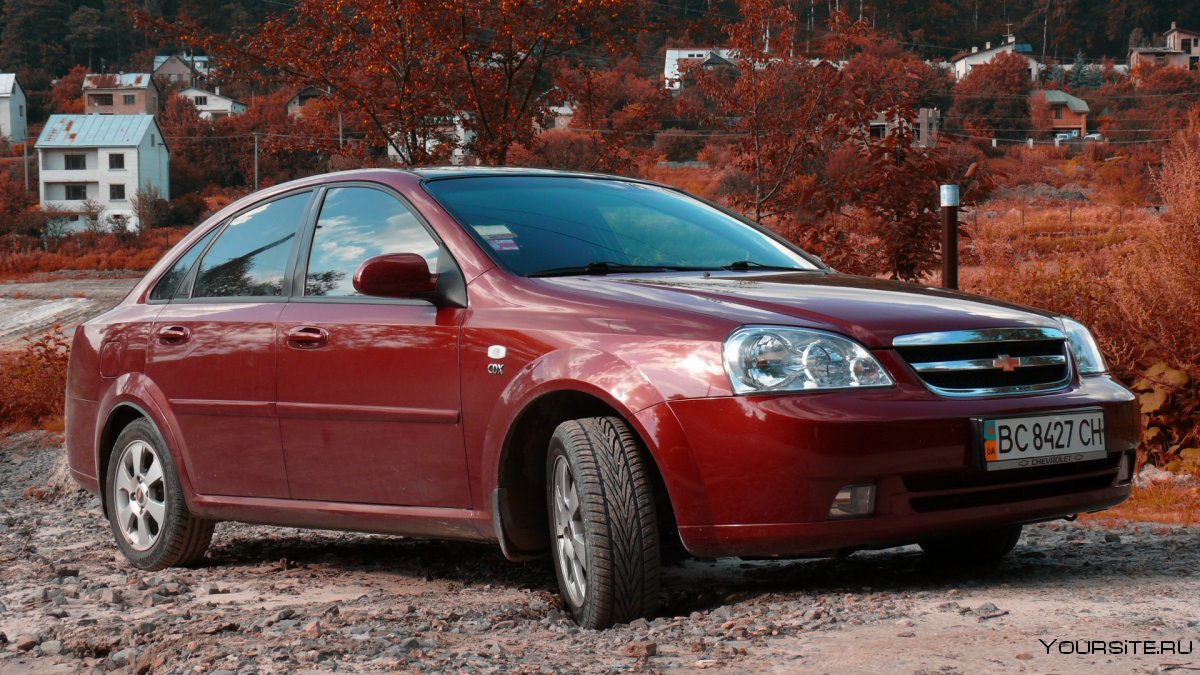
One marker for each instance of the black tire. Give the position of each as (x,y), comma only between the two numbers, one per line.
(973,548)
(180,538)
(621,563)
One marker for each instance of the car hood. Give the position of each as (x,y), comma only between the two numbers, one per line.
(873,311)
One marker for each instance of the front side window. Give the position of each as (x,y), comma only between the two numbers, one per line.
(250,256)
(116,193)
(116,161)
(169,283)
(75,162)
(128,99)
(101,99)
(200,100)
(358,223)
(77,192)
(542,226)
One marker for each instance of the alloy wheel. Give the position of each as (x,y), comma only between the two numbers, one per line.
(141,497)
(570,544)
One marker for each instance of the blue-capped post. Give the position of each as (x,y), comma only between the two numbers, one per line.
(950,236)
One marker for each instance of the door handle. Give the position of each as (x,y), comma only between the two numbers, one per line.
(173,334)
(307,337)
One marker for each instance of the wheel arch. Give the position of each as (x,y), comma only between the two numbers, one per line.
(518,504)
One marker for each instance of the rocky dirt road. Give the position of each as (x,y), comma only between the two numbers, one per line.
(282,600)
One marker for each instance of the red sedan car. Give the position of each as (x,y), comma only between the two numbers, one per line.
(582,365)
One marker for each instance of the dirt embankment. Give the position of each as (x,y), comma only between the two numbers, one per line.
(285,600)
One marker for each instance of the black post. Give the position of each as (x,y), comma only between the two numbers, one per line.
(949,196)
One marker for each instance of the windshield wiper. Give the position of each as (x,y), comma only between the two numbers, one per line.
(747,265)
(601,267)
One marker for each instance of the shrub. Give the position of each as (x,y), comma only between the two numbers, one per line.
(33,382)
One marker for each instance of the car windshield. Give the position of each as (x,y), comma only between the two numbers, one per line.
(559,225)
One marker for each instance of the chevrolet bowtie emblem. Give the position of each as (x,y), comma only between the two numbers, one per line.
(1006,363)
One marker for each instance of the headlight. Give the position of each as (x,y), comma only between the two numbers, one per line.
(1083,347)
(769,358)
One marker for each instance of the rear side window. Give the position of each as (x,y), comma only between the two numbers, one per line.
(358,223)
(250,256)
(167,286)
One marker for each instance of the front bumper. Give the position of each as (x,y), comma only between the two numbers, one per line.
(754,476)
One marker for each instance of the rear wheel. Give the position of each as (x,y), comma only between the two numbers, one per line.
(603,525)
(146,510)
(973,548)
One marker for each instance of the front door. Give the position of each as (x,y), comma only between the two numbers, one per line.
(369,404)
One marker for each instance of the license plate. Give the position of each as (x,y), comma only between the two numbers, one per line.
(1040,440)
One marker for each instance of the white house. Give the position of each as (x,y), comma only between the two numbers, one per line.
(673,73)
(101,162)
(965,63)
(12,109)
(211,104)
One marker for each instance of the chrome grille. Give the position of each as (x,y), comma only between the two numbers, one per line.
(988,362)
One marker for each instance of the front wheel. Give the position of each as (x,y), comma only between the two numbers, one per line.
(146,510)
(973,548)
(603,526)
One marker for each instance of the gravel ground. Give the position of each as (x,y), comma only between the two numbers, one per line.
(284,600)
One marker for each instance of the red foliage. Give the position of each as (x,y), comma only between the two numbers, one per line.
(23,255)
(992,100)
(33,382)
(66,96)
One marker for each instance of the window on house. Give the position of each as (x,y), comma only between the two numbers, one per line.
(128,99)
(21,110)
(100,99)
(153,141)
(75,162)
(116,161)
(1058,113)
(77,192)
(878,130)
(200,100)
(116,193)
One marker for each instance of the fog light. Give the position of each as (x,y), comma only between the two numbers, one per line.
(853,500)
(1123,469)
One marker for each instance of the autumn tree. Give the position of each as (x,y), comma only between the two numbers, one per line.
(617,110)
(782,109)
(66,96)
(411,69)
(992,100)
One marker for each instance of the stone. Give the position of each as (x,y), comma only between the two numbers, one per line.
(640,650)
(51,648)
(26,642)
(1112,538)
(312,629)
(111,596)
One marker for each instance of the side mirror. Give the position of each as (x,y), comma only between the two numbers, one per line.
(396,275)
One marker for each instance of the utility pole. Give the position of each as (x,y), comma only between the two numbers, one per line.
(256,161)
(25,160)
(950,202)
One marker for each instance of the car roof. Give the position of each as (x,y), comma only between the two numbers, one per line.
(434,173)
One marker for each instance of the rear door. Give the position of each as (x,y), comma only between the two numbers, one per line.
(369,403)
(213,351)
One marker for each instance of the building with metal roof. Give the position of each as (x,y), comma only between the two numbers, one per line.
(93,166)
(12,109)
(120,94)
